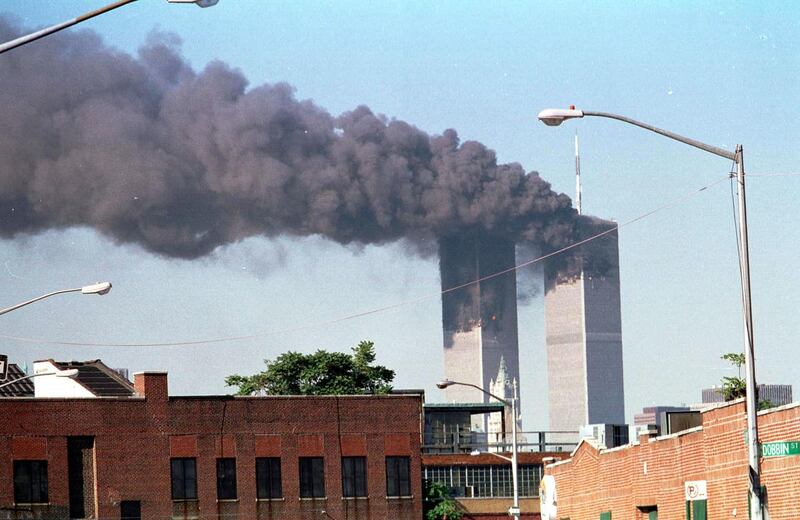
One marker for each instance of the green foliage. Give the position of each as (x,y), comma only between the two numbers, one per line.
(438,504)
(320,373)
(736,358)
(735,387)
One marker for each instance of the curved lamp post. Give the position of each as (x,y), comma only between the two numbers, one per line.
(514,509)
(22,40)
(97,288)
(70,373)
(556,116)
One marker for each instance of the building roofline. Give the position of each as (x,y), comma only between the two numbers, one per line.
(787,406)
(97,364)
(281,397)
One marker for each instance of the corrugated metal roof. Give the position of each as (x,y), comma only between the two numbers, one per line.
(22,388)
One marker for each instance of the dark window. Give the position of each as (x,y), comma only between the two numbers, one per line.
(130,510)
(226,478)
(268,477)
(312,477)
(398,476)
(354,476)
(184,479)
(30,481)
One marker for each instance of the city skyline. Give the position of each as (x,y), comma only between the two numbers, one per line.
(422,64)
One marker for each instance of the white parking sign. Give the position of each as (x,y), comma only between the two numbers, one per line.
(695,490)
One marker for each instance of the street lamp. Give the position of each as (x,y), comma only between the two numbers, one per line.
(556,116)
(22,40)
(514,509)
(97,288)
(475,453)
(70,373)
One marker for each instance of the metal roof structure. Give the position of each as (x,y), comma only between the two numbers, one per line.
(22,388)
(98,378)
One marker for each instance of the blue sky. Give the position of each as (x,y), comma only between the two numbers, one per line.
(721,72)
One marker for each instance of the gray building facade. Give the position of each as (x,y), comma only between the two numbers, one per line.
(584,342)
(479,320)
(776,394)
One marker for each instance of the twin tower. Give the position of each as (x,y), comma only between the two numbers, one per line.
(583,329)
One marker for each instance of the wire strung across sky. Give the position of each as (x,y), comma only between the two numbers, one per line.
(393,306)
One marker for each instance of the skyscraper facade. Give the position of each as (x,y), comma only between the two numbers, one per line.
(584,341)
(479,318)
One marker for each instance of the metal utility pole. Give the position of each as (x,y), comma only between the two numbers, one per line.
(577,176)
(556,116)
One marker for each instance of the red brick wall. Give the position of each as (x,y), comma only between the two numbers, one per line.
(135,437)
(653,472)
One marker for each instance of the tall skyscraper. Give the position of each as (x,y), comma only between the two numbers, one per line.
(479,320)
(584,334)
(584,346)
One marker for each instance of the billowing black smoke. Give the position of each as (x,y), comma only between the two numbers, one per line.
(148,151)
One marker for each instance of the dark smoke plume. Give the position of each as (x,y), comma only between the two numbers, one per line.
(146,150)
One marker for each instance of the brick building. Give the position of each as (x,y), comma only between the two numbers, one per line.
(156,456)
(707,464)
(482,484)
(475,466)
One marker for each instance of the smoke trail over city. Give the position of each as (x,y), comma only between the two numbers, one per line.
(148,151)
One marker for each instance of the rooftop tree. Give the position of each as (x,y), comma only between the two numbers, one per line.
(320,373)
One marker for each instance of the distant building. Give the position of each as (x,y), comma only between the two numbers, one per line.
(776,394)
(651,419)
(474,465)
(479,318)
(606,435)
(500,424)
(584,344)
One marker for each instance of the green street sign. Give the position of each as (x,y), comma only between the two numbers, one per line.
(780,449)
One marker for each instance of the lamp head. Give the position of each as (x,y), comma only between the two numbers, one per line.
(97,288)
(201,3)
(444,383)
(71,373)
(556,116)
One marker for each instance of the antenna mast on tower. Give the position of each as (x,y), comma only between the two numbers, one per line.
(577,176)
